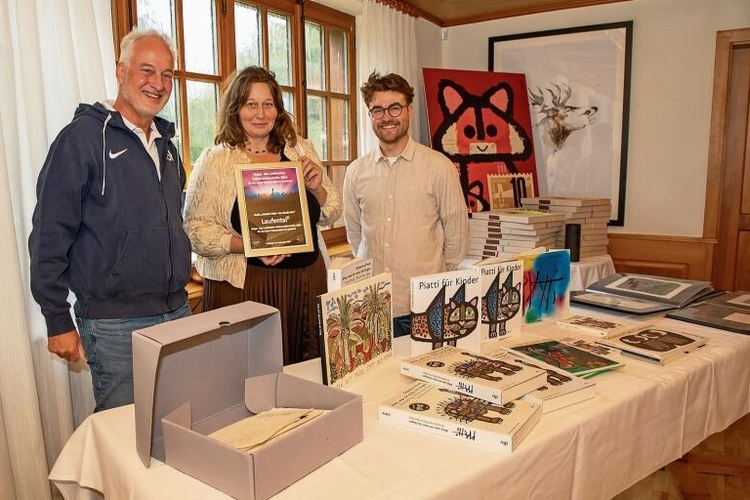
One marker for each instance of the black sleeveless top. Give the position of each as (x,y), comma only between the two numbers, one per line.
(295,260)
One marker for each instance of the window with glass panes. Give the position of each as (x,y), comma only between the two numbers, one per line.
(313,61)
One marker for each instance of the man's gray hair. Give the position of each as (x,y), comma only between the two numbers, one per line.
(127,42)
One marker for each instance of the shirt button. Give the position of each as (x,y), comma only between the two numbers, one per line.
(388,219)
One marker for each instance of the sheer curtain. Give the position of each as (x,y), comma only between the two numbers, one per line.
(387,43)
(55,54)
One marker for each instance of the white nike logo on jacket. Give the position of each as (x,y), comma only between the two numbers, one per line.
(115,155)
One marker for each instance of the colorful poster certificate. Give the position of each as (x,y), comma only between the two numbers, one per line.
(273,209)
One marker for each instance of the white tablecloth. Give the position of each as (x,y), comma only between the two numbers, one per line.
(643,417)
(589,270)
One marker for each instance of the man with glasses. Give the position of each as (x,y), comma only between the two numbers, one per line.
(403,204)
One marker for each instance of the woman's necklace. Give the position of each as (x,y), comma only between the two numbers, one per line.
(253,150)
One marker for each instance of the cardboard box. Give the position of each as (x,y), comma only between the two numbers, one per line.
(195,375)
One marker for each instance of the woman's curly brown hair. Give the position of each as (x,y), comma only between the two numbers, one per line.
(237,87)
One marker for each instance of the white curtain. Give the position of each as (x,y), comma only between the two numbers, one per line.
(386,43)
(54,54)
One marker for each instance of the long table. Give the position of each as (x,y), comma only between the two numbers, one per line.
(643,417)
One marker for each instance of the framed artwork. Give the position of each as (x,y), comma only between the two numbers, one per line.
(480,121)
(579,98)
(273,209)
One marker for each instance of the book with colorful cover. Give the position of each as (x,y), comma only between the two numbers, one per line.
(654,343)
(343,271)
(356,329)
(445,310)
(546,289)
(497,378)
(445,412)
(560,388)
(502,297)
(567,357)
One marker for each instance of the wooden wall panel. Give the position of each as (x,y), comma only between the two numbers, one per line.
(672,256)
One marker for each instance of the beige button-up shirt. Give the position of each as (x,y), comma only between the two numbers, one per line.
(409,216)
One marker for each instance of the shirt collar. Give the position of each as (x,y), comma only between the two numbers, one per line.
(153,131)
(407,154)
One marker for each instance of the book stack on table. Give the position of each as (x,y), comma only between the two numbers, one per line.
(510,231)
(592,214)
(468,396)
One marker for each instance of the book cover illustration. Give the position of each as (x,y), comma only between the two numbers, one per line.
(508,190)
(343,271)
(546,283)
(497,379)
(445,412)
(591,325)
(654,343)
(560,388)
(672,291)
(356,331)
(567,357)
(502,294)
(732,314)
(445,310)
(273,209)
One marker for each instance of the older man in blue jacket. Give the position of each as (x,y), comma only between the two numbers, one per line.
(108,225)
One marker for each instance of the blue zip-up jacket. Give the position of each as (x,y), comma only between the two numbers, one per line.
(105,227)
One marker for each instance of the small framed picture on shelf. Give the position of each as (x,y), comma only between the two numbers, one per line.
(273,209)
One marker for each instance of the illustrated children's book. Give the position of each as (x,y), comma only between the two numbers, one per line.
(654,343)
(442,411)
(497,379)
(560,388)
(343,271)
(445,310)
(590,325)
(502,292)
(546,283)
(356,331)
(567,357)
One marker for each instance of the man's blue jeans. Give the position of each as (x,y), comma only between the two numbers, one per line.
(401,326)
(109,353)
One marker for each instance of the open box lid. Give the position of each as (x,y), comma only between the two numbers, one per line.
(203,359)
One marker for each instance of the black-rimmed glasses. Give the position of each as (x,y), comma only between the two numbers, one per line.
(394,110)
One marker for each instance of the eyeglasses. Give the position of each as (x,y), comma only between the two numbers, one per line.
(394,110)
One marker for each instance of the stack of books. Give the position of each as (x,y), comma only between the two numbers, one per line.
(591,213)
(507,232)
(484,236)
(468,396)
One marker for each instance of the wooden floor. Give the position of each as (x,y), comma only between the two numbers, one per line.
(732,443)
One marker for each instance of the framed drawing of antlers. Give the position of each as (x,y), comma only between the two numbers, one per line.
(578,82)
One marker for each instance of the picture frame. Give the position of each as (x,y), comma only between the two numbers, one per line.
(272,202)
(579,97)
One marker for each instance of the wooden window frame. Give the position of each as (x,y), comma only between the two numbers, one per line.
(124,17)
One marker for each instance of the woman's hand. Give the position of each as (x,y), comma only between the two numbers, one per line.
(272,260)
(313,174)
